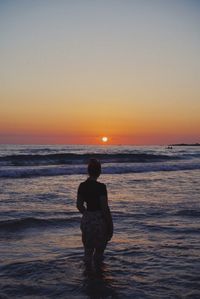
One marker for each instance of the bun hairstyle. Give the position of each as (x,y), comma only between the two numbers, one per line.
(94,168)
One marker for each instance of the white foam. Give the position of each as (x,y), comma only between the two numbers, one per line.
(37,171)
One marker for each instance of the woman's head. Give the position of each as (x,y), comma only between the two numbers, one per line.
(94,168)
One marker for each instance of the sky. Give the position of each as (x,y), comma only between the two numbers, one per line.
(74,71)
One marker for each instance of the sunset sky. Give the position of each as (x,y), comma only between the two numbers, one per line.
(74,71)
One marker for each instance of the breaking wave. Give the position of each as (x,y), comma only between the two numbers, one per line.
(71,158)
(110,168)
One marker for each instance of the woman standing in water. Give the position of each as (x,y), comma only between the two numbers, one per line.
(96,222)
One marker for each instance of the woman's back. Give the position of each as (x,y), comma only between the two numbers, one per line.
(91,191)
(96,222)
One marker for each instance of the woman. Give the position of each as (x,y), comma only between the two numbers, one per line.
(96,222)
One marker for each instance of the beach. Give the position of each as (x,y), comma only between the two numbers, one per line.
(153,194)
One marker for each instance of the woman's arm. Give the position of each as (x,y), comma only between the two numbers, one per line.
(107,215)
(80,204)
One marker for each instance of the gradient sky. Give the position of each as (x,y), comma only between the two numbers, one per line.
(73,71)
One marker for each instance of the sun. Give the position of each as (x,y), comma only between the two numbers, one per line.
(104,139)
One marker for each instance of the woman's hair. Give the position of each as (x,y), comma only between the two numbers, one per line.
(94,168)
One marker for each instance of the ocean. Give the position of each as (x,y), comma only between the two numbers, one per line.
(154,197)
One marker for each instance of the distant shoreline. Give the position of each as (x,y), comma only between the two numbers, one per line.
(185,144)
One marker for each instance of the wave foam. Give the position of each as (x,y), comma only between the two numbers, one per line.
(25,172)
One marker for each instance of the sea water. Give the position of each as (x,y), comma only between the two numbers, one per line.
(154,196)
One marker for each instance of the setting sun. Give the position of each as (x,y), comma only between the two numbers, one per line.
(104,139)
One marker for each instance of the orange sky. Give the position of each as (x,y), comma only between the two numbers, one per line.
(74,73)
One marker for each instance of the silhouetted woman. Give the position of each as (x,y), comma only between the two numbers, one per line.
(96,222)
